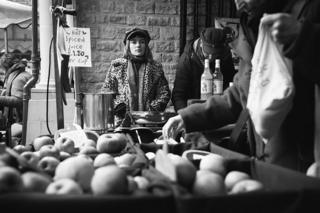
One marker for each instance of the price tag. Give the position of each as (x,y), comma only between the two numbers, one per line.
(78,45)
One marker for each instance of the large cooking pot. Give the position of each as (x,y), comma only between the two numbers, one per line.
(98,111)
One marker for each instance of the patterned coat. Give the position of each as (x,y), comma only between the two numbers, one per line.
(156,92)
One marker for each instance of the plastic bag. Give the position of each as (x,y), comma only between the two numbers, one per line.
(271,89)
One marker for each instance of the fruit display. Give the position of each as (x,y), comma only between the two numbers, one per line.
(57,166)
(114,164)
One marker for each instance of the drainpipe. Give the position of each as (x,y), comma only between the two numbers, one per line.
(35,59)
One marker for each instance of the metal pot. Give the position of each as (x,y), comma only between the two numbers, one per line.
(98,111)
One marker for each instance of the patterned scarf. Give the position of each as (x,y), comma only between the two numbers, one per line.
(136,70)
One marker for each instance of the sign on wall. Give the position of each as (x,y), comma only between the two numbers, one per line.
(78,45)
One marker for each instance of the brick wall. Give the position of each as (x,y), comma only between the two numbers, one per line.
(109,19)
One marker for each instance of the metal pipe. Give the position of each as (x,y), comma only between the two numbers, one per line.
(35,59)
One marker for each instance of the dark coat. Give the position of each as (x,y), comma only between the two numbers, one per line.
(292,147)
(188,75)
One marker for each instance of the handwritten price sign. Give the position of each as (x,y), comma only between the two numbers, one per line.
(78,45)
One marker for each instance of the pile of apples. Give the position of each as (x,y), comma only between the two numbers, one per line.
(95,167)
(211,177)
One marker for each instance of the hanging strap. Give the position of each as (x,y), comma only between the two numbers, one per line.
(236,131)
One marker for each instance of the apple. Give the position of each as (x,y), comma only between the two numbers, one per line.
(64,186)
(48,164)
(103,159)
(247,185)
(20,148)
(125,160)
(31,157)
(142,182)
(233,177)
(185,170)
(8,160)
(88,150)
(65,144)
(49,150)
(214,163)
(208,183)
(35,182)
(78,168)
(111,143)
(40,141)
(64,155)
(10,180)
(88,142)
(109,180)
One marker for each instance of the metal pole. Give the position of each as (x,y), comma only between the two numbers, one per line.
(35,59)
(59,103)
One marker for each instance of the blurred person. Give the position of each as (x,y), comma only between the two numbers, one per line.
(212,42)
(11,99)
(136,78)
(295,24)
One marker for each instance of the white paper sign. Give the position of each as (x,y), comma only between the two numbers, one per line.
(78,45)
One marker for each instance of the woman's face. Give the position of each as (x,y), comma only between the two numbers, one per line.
(137,46)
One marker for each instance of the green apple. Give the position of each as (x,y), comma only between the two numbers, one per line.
(10,180)
(208,183)
(35,182)
(78,168)
(65,144)
(109,180)
(111,143)
(31,157)
(64,186)
(49,150)
(233,177)
(40,141)
(20,148)
(48,164)
(214,163)
(103,159)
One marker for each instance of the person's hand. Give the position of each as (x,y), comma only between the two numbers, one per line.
(173,126)
(284,28)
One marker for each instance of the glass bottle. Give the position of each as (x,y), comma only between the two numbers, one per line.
(206,81)
(217,79)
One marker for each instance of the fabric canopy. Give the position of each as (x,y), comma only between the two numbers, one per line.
(14,13)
